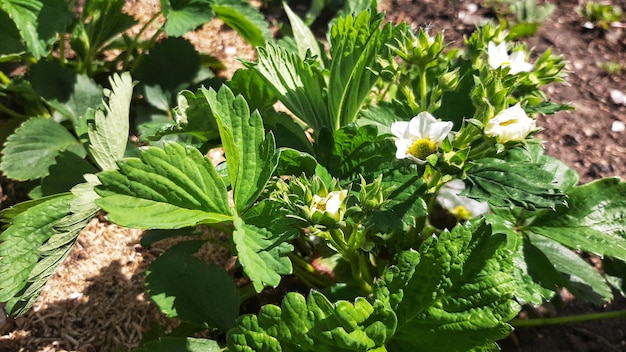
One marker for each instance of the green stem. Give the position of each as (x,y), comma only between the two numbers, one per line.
(423,89)
(308,274)
(12,113)
(359,270)
(4,78)
(142,55)
(518,323)
(134,43)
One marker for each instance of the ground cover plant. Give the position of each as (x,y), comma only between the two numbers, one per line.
(384,242)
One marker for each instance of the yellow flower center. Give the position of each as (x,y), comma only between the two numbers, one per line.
(508,122)
(422,148)
(461,212)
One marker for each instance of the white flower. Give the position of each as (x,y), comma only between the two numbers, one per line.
(497,56)
(462,208)
(420,137)
(328,210)
(510,124)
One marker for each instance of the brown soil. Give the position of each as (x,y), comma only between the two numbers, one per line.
(95,301)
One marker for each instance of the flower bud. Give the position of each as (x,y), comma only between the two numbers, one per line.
(330,209)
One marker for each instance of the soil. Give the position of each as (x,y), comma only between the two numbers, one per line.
(95,301)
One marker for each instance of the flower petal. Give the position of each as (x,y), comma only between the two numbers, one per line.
(399,128)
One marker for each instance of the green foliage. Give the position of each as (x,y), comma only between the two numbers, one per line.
(332,192)
(464,311)
(600,14)
(314,324)
(451,295)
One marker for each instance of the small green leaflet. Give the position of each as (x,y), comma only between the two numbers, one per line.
(314,324)
(241,16)
(183,16)
(252,157)
(29,152)
(108,134)
(262,254)
(185,287)
(455,295)
(167,188)
(305,39)
(512,183)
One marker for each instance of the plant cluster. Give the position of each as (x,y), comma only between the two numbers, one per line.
(527,15)
(600,14)
(401,185)
(55,55)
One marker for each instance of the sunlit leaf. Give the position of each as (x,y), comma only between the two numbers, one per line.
(167,188)
(108,134)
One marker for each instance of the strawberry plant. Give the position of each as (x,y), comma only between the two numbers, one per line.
(403,189)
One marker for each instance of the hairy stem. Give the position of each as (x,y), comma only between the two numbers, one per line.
(620,314)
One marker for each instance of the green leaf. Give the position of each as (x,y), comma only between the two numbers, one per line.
(314,324)
(244,19)
(251,157)
(181,344)
(167,188)
(187,288)
(193,117)
(455,296)
(405,204)
(108,134)
(581,279)
(20,242)
(353,151)
(11,44)
(38,22)
(31,150)
(355,45)
(594,219)
(251,85)
(547,108)
(262,254)
(177,62)
(537,277)
(512,183)
(70,93)
(287,131)
(183,16)
(563,177)
(304,37)
(65,173)
(293,162)
(296,83)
